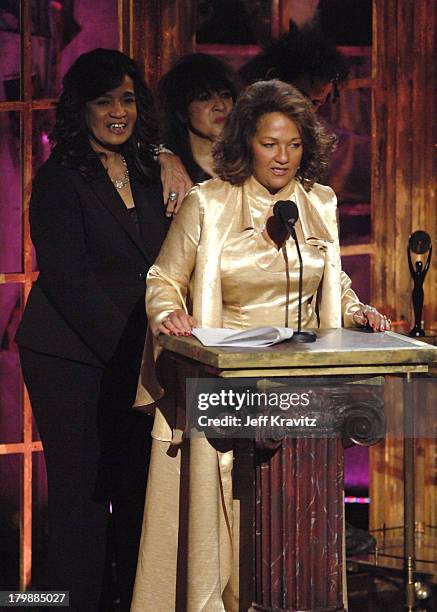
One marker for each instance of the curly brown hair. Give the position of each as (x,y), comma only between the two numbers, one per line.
(233,155)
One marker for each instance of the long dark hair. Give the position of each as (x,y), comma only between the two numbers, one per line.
(92,75)
(299,53)
(233,152)
(187,80)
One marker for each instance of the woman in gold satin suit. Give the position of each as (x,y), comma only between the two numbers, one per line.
(226,256)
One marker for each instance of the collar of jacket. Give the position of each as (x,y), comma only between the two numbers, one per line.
(310,205)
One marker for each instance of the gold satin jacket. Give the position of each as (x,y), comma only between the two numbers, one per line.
(187,272)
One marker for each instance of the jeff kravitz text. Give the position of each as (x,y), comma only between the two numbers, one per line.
(262,420)
(243,412)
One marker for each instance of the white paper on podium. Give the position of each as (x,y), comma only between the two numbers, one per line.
(251,338)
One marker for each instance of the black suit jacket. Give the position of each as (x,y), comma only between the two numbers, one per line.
(88,302)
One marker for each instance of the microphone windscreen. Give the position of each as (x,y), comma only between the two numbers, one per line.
(286,211)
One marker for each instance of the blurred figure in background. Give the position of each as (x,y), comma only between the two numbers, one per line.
(304,58)
(196,96)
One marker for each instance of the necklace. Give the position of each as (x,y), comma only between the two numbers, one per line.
(120,183)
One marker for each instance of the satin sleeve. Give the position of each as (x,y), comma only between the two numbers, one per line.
(350,302)
(168,279)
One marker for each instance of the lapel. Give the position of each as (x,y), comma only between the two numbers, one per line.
(314,223)
(105,191)
(220,203)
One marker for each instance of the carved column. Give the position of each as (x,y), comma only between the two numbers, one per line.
(403,200)
(156,32)
(403,137)
(299,518)
(296,511)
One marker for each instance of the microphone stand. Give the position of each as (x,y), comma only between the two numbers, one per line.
(299,335)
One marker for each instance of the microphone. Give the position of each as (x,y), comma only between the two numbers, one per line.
(287,213)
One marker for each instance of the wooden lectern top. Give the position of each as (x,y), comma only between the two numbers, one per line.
(336,352)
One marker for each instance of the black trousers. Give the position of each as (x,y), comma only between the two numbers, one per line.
(97,452)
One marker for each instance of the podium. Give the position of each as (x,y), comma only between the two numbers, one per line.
(291,538)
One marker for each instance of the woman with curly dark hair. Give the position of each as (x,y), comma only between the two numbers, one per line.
(233,259)
(97,222)
(196,97)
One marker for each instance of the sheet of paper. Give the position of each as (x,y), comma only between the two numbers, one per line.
(250,338)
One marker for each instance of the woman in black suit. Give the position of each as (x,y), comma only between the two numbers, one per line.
(97,223)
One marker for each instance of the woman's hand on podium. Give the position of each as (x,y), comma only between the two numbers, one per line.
(368,315)
(177,323)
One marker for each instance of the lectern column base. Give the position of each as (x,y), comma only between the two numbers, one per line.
(299,527)
(256,608)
